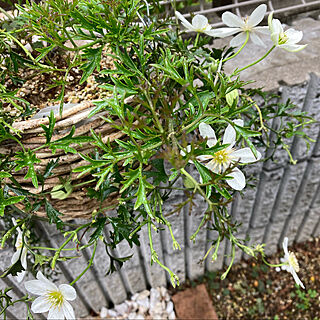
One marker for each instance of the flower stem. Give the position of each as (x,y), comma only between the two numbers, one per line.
(88,266)
(231,263)
(272,265)
(235,54)
(197,39)
(253,63)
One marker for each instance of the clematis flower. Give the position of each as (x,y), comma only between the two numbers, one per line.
(221,160)
(51,298)
(21,253)
(242,26)
(199,24)
(291,263)
(286,40)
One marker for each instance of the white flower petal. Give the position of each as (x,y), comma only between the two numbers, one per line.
(15,257)
(20,276)
(184,21)
(231,20)
(276,26)
(36,287)
(275,38)
(239,180)
(68,311)
(257,15)
(207,132)
(56,314)
(256,39)
(229,136)
(200,22)
(294,36)
(296,279)
(238,40)
(68,291)
(238,122)
(188,149)
(224,32)
(24,258)
(270,19)
(40,305)
(212,167)
(204,157)
(285,246)
(292,47)
(245,155)
(263,30)
(49,285)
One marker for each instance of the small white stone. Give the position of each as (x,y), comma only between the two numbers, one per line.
(104,312)
(163,291)
(154,297)
(121,308)
(112,314)
(144,303)
(135,316)
(172,316)
(156,309)
(142,295)
(169,307)
(142,310)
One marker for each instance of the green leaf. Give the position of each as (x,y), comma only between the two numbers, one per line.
(53,215)
(49,130)
(13,269)
(99,227)
(159,175)
(141,195)
(93,58)
(40,259)
(246,134)
(131,176)
(8,201)
(4,174)
(28,159)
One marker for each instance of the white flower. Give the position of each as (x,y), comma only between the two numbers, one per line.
(51,298)
(199,24)
(21,253)
(248,24)
(291,263)
(286,40)
(221,160)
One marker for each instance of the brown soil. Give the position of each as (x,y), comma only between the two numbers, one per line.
(254,291)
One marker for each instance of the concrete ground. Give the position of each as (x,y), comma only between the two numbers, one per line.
(280,67)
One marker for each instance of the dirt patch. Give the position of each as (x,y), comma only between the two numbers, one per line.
(254,291)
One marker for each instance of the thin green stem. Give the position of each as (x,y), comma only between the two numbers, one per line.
(197,39)
(88,266)
(253,63)
(235,54)
(272,265)
(193,237)
(196,186)
(231,262)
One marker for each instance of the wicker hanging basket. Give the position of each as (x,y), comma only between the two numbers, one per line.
(77,204)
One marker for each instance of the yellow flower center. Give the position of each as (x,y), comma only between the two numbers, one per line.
(246,27)
(56,298)
(222,159)
(293,262)
(283,38)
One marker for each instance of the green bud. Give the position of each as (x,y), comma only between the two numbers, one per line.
(232,96)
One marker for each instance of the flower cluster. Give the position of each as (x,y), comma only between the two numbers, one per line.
(248,27)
